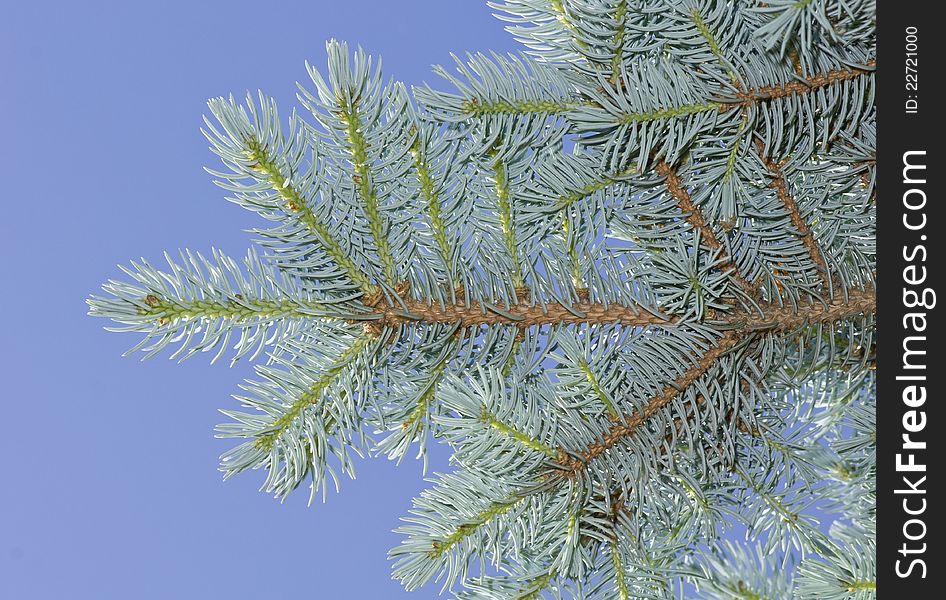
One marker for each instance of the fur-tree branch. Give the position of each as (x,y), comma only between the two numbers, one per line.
(628,279)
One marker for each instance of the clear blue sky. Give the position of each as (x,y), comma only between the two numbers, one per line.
(109,487)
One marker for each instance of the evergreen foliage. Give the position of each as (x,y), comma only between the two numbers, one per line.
(627,276)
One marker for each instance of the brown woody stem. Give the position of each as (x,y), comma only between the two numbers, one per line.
(783,90)
(772,317)
(695,218)
(798,222)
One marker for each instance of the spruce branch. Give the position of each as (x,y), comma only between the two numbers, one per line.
(773,316)
(475,107)
(631,423)
(809,85)
(695,217)
(626,279)
(503,196)
(297,205)
(798,222)
(430,192)
(362,178)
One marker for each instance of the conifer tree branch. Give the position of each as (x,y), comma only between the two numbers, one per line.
(674,112)
(363,179)
(797,88)
(639,379)
(713,44)
(859,585)
(423,402)
(561,14)
(788,516)
(695,217)
(734,78)
(607,179)
(504,199)
(494,510)
(296,205)
(312,395)
(474,107)
(621,430)
(620,576)
(237,309)
(538,585)
(617,60)
(520,315)
(781,319)
(520,436)
(510,361)
(596,387)
(773,316)
(798,222)
(428,190)
(573,196)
